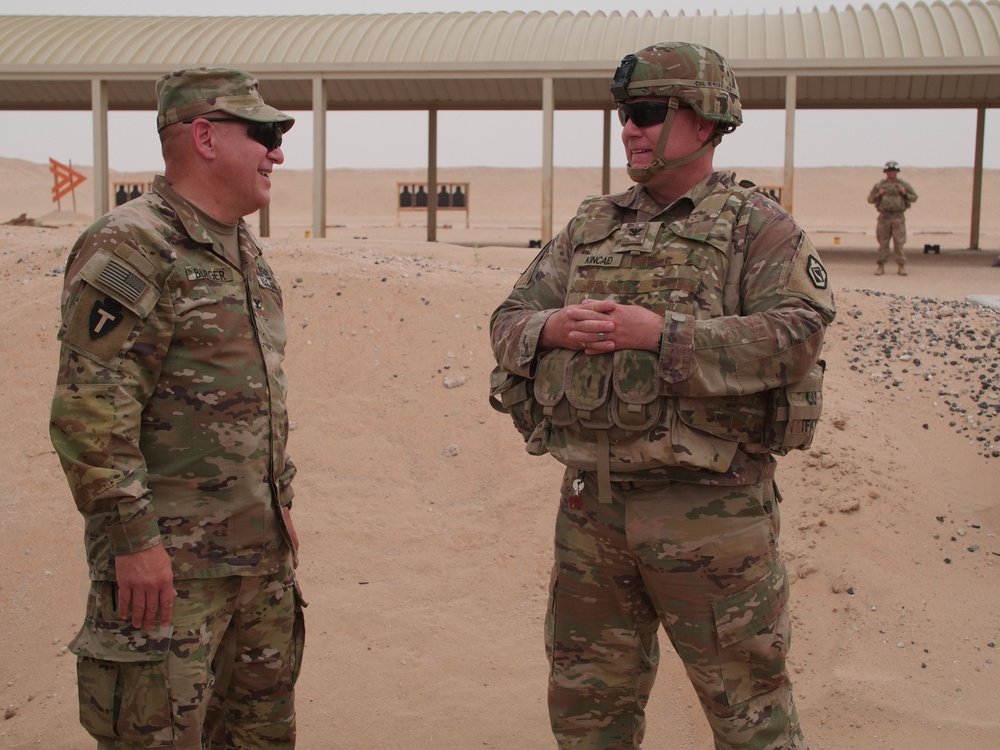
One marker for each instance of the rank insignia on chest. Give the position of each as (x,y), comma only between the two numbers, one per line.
(638,237)
(633,233)
(105,315)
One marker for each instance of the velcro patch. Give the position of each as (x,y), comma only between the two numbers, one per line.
(105,315)
(118,278)
(266,279)
(633,233)
(98,327)
(210,274)
(638,237)
(123,279)
(602,260)
(817,273)
(807,277)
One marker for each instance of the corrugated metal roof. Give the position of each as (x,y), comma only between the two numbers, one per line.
(938,29)
(925,54)
(938,54)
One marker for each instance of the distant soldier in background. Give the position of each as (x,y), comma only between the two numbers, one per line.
(891,196)
(169,418)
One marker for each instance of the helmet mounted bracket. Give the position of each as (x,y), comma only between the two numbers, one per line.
(623,76)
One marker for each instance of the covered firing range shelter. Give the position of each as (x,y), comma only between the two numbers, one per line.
(921,55)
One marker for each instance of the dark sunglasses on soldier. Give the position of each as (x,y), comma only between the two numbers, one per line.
(267,134)
(643,114)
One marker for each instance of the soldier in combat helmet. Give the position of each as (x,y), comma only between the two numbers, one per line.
(170,420)
(891,196)
(643,348)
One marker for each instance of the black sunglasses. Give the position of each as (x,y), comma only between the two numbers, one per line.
(267,134)
(643,114)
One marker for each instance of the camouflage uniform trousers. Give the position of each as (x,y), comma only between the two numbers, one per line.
(891,225)
(703,562)
(224,678)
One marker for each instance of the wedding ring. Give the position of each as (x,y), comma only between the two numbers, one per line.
(600,336)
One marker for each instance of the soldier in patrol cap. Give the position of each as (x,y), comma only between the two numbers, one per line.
(662,347)
(169,419)
(891,196)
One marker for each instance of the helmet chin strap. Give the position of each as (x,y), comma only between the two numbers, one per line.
(658,164)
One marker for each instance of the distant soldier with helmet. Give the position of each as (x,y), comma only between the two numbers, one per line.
(662,347)
(892,197)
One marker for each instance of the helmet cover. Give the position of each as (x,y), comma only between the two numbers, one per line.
(694,74)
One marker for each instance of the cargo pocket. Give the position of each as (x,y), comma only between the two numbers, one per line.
(122,679)
(298,632)
(754,631)
(550,619)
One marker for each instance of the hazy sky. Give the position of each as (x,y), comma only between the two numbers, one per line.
(926,138)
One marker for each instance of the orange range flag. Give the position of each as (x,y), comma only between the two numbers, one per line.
(66,179)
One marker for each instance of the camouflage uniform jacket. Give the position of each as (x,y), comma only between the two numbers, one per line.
(893,201)
(745,300)
(169,412)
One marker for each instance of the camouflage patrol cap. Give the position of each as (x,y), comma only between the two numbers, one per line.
(184,94)
(891,166)
(696,75)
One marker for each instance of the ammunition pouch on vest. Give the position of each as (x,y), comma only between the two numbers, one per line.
(616,403)
(793,413)
(514,395)
(592,410)
(605,412)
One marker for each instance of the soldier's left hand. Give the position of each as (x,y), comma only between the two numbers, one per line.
(634,328)
(578,326)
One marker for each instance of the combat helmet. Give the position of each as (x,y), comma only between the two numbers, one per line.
(891,166)
(685,74)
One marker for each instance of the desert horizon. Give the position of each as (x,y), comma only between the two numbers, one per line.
(504,204)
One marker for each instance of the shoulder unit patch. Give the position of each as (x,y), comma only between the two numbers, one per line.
(105,315)
(817,272)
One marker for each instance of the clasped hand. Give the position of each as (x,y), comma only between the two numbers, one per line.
(599,326)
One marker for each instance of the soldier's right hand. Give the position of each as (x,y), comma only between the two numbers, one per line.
(579,326)
(145,587)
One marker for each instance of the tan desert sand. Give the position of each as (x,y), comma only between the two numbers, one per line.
(426,528)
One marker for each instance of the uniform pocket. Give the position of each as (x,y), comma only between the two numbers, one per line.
(298,632)
(754,631)
(122,678)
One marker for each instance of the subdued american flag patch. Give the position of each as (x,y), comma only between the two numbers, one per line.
(120,278)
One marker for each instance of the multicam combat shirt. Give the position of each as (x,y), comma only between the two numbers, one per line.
(745,299)
(897,196)
(169,413)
